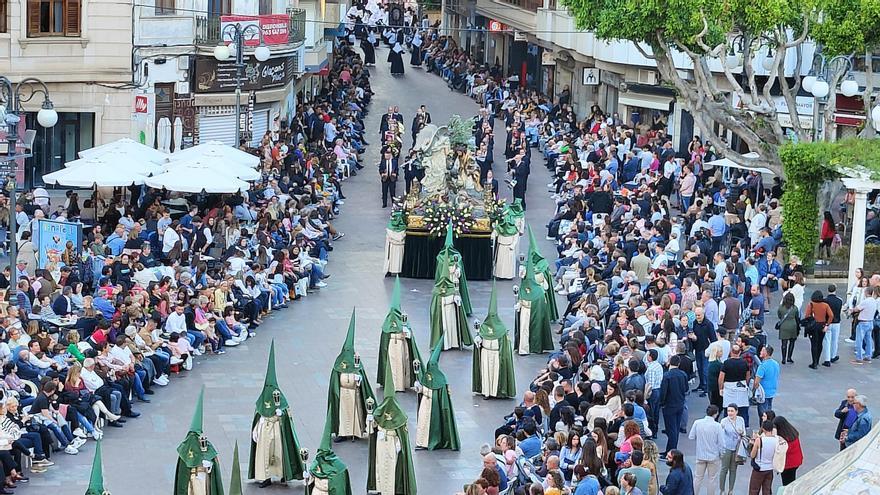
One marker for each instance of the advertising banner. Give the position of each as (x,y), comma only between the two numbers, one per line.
(273,27)
(52,238)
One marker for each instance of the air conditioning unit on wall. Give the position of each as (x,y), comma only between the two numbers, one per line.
(648,77)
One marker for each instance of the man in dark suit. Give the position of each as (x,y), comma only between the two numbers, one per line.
(702,335)
(520,172)
(673,393)
(388,176)
(62,305)
(386,120)
(845,414)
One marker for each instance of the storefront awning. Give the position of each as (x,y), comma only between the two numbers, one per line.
(644,100)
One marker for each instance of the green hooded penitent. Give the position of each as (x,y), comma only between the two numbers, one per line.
(493,329)
(542,267)
(96,480)
(540,337)
(395,323)
(235,481)
(328,467)
(443,432)
(194,453)
(390,417)
(397,222)
(445,287)
(455,259)
(516,209)
(272,407)
(346,363)
(506,224)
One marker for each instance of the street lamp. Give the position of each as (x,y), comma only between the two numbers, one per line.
(236,33)
(816,82)
(13,96)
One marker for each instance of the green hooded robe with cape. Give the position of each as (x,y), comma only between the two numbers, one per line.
(540,336)
(394,323)
(194,452)
(96,480)
(273,404)
(493,328)
(327,466)
(543,267)
(445,287)
(454,256)
(443,432)
(389,416)
(345,363)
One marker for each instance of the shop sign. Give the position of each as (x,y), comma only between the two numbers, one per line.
(591,76)
(785,121)
(141,104)
(495,26)
(548,58)
(519,36)
(273,28)
(805,104)
(213,76)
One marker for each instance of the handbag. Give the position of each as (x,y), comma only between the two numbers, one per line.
(754,463)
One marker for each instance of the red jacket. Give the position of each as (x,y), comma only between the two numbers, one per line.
(794,457)
(827,230)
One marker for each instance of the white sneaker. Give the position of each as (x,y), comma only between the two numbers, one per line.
(78,442)
(79,433)
(162,381)
(175,360)
(97,434)
(241,338)
(321,284)
(70,449)
(197,352)
(849,341)
(188,364)
(231,343)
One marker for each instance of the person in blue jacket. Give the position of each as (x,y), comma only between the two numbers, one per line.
(680,480)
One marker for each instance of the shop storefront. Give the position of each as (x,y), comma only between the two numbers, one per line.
(647,109)
(849,116)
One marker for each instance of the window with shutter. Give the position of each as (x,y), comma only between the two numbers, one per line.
(72,12)
(3,14)
(165,7)
(33,18)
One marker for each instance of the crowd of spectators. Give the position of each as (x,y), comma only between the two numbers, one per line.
(162,278)
(668,265)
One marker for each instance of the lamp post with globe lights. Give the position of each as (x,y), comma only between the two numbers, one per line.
(823,74)
(236,34)
(13,96)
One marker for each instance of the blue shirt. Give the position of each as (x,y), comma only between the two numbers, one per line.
(587,486)
(717,225)
(116,246)
(860,428)
(768,371)
(531,446)
(104,306)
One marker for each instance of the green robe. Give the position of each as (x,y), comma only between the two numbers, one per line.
(443,430)
(394,323)
(181,478)
(390,416)
(540,335)
(543,267)
(454,257)
(328,466)
(190,455)
(267,407)
(445,287)
(345,363)
(493,328)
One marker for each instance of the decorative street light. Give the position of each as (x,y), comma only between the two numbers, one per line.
(13,95)
(235,33)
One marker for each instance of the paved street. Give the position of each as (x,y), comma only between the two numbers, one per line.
(140,458)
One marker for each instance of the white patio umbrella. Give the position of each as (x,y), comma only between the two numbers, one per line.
(99,171)
(726,162)
(163,135)
(194,176)
(216,161)
(129,147)
(119,161)
(217,150)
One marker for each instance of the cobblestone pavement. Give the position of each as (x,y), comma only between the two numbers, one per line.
(140,458)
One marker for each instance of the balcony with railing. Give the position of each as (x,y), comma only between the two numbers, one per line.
(208,29)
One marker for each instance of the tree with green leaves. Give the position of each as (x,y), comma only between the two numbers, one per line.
(759,48)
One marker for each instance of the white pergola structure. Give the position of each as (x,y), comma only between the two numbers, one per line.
(861,185)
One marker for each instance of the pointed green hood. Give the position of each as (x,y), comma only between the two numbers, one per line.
(397,222)
(443,283)
(96,481)
(506,223)
(433,377)
(447,243)
(235,482)
(190,450)
(534,254)
(326,464)
(530,289)
(394,318)
(493,328)
(266,405)
(389,414)
(345,360)
(516,208)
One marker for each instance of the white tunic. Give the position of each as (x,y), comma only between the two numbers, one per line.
(387,449)
(423,431)
(352,417)
(524,315)
(490,367)
(269,454)
(321,486)
(449,321)
(398,355)
(394,243)
(199,482)
(505,256)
